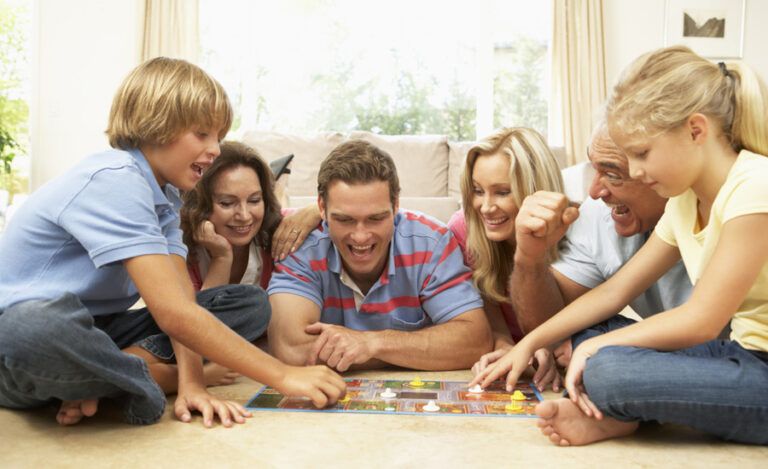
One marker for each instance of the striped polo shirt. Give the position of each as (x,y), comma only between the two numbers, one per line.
(424,282)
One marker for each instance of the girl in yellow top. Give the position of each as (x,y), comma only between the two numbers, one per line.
(695,132)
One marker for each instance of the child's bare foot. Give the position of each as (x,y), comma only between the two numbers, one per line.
(72,412)
(217,375)
(566,425)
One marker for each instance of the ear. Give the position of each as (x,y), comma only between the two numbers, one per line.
(396,207)
(697,127)
(321,206)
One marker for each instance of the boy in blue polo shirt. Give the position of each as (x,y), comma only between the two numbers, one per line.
(86,245)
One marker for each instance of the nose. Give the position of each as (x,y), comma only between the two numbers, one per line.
(597,189)
(635,171)
(360,234)
(214,149)
(241,211)
(487,204)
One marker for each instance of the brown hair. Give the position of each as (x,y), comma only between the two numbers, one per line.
(163,97)
(198,203)
(355,162)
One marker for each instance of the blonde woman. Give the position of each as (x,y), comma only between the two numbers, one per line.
(499,172)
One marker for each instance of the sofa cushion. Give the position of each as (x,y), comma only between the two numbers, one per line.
(422,161)
(457,154)
(309,152)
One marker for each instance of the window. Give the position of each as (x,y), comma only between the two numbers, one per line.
(398,67)
(15,27)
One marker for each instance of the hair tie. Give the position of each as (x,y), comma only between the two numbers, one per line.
(724,69)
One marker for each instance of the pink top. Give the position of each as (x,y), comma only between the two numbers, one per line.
(458,226)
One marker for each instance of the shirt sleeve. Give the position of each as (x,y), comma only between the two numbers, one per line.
(113,217)
(576,257)
(297,275)
(664,229)
(447,289)
(748,196)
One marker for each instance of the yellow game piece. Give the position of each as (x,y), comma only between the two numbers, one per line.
(417,382)
(518,396)
(345,399)
(514,405)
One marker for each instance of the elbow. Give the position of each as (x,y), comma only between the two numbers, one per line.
(283,350)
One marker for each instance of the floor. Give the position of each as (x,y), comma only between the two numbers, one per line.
(290,439)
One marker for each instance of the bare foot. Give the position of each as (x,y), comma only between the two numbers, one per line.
(566,425)
(72,412)
(217,375)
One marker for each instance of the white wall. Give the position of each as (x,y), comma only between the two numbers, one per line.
(83,49)
(633,27)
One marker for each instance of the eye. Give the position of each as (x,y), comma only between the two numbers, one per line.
(612,176)
(503,193)
(256,200)
(477,191)
(225,203)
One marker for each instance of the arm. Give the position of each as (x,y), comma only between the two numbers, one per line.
(499,329)
(157,280)
(600,303)
(291,314)
(536,293)
(220,252)
(452,345)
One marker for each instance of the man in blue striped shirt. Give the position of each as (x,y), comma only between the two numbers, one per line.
(374,285)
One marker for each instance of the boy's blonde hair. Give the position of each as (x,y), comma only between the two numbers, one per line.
(162,98)
(532,168)
(660,90)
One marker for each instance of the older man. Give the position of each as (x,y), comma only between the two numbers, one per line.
(374,285)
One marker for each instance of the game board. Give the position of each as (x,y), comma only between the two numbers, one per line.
(451,398)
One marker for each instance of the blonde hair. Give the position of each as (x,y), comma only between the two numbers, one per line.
(532,168)
(163,97)
(660,90)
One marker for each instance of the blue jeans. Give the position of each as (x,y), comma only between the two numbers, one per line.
(55,349)
(717,387)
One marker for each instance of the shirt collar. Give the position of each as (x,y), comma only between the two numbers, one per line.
(167,196)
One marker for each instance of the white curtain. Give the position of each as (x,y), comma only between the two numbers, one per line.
(171,29)
(578,72)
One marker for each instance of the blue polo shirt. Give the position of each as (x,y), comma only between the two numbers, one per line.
(71,235)
(424,282)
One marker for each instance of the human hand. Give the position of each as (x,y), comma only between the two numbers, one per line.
(563,353)
(514,362)
(546,370)
(319,383)
(541,223)
(500,348)
(574,380)
(338,346)
(293,230)
(196,398)
(216,245)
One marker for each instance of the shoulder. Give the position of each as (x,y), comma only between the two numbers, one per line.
(412,224)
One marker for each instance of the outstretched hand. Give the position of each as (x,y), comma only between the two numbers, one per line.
(197,399)
(319,383)
(574,381)
(514,363)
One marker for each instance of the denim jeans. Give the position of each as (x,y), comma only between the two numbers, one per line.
(55,349)
(717,387)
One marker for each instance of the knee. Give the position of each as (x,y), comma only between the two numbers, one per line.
(609,373)
(31,326)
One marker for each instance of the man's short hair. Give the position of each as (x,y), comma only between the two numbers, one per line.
(358,162)
(162,98)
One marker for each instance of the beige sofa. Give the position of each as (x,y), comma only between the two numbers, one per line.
(429,166)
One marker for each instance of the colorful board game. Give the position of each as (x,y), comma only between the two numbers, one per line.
(414,397)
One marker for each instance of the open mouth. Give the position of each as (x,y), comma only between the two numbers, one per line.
(361,251)
(198,169)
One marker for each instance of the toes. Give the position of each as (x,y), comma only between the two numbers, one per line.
(89,407)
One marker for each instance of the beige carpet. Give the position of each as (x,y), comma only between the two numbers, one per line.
(291,439)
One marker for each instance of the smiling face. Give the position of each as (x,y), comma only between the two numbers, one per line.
(238,207)
(635,207)
(492,196)
(183,161)
(360,221)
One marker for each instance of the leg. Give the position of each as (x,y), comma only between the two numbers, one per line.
(51,350)
(717,387)
(243,308)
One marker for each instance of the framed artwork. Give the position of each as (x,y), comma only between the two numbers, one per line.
(712,28)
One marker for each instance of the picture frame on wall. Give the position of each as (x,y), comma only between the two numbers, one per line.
(712,28)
